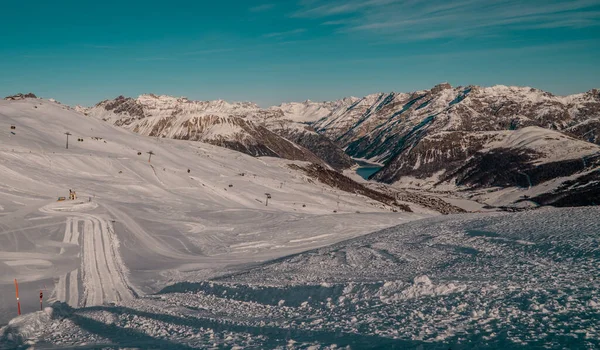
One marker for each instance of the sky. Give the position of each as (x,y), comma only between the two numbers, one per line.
(268,52)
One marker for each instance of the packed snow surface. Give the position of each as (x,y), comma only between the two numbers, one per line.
(466,281)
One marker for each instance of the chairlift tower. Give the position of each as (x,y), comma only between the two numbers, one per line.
(68,134)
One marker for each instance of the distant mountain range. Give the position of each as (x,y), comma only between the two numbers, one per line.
(388,127)
(244,127)
(446,137)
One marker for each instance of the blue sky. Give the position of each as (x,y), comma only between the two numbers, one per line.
(81,52)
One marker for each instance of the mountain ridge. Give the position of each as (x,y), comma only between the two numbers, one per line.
(429,136)
(216,122)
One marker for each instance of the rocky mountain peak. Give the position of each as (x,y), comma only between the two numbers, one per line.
(20,96)
(595,93)
(439,87)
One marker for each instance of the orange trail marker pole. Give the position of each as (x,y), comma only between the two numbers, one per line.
(18,302)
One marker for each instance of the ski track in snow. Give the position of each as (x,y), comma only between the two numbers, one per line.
(104,281)
(102,275)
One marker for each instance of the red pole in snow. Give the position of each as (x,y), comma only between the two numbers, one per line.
(41,300)
(18,302)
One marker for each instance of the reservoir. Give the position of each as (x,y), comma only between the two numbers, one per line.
(366,169)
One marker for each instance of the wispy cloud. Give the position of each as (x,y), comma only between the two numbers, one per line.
(175,56)
(329,8)
(336,22)
(284,34)
(430,19)
(262,8)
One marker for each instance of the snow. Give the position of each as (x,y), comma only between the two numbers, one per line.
(537,139)
(309,111)
(163,258)
(148,224)
(304,112)
(163,103)
(467,204)
(465,281)
(177,117)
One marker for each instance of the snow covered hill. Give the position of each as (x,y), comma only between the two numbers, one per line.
(241,126)
(194,210)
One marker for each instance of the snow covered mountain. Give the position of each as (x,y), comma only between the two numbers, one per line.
(183,251)
(548,167)
(304,135)
(241,126)
(377,126)
(309,111)
(427,137)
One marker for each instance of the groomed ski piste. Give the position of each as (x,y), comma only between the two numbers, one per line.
(152,256)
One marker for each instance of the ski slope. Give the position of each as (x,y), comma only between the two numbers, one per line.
(138,225)
(469,281)
(103,273)
(153,256)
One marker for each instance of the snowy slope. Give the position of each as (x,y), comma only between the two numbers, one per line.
(241,126)
(383,126)
(376,126)
(551,146)
(546,166)
(216,122)
(195,210)
(510,281)
(447,151)
(309,111)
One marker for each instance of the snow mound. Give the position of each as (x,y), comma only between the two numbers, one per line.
(422,286)
(25,329)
